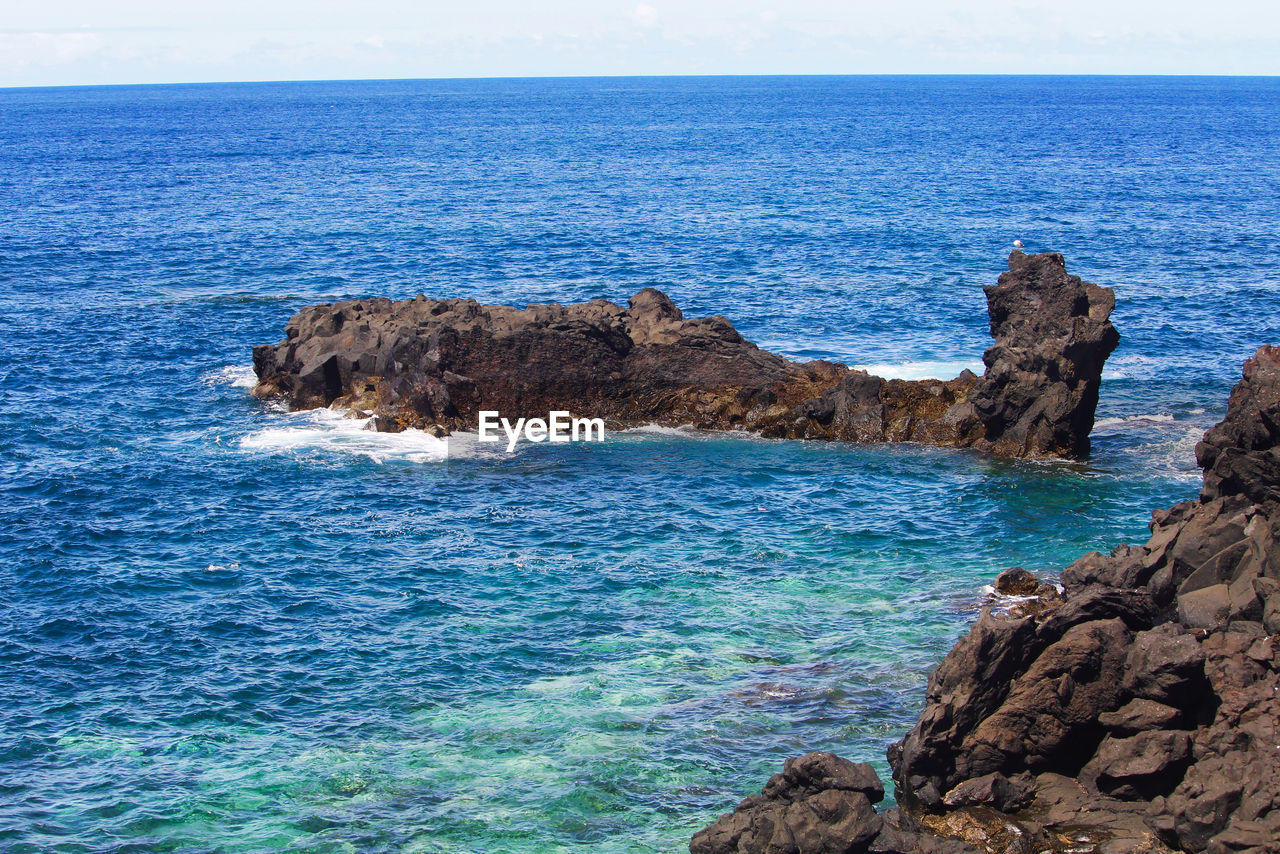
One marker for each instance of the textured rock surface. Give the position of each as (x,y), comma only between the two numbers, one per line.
(1140,710)
(434,364)
(822,804)
(1052,334)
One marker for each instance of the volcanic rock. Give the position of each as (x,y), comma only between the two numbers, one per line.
(1141,711)
(1017,582)
(426,363)
(1053,335)
(819,804)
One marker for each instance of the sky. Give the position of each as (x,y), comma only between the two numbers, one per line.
(79,42)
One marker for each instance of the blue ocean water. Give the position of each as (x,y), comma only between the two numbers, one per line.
(228,628)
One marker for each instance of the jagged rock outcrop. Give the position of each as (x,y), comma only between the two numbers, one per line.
(434,364)
(1052,332)
(1138,711)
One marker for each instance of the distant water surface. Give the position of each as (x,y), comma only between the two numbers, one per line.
(228,628)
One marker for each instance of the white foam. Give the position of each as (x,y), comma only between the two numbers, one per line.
(468,444)
(688,431)
(330,431)
(940,369)
(661,430)
(240,376)
(1130,367)
(1006,599)
(1133,421)
(1175,456)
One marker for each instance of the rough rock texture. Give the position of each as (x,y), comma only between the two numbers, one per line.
(1017,582)
(1140,710)
(822,804)
(434,364)
(1040,388)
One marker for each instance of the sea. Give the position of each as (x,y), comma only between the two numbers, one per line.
(225,627)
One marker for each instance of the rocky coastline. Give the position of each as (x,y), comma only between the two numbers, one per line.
(435,364)
(1136,711)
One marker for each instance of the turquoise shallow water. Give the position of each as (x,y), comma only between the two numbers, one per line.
(227,628)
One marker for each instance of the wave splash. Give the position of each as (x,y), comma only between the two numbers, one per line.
(329,431)
(1133,421)
(238,376)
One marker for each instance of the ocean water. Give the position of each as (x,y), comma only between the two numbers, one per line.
(227,628)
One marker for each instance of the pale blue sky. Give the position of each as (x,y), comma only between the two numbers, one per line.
(150,41)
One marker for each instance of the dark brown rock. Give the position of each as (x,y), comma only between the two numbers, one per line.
(1098,602)
(806,775)
(833,822)
(1084,820)
(1165,664)
(1139,716)
(902,834)
(1191,753)
(891,840)
(1040,389)
(994,790)
(821,804)
(1048,720)
(1240,456)
(818,804)
(427,363)
(1140,766)
(965,689)
(1205,608)
(1127,568)
(1017,582)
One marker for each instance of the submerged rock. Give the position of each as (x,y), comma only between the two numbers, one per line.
(1138,712)
(424,363)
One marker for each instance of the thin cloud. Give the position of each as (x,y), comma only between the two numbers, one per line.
(645,15)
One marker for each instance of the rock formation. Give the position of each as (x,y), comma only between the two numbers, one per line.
(820,803)
(434,364)
(1137,711)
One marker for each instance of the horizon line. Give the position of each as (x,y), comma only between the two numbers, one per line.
(499,77)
